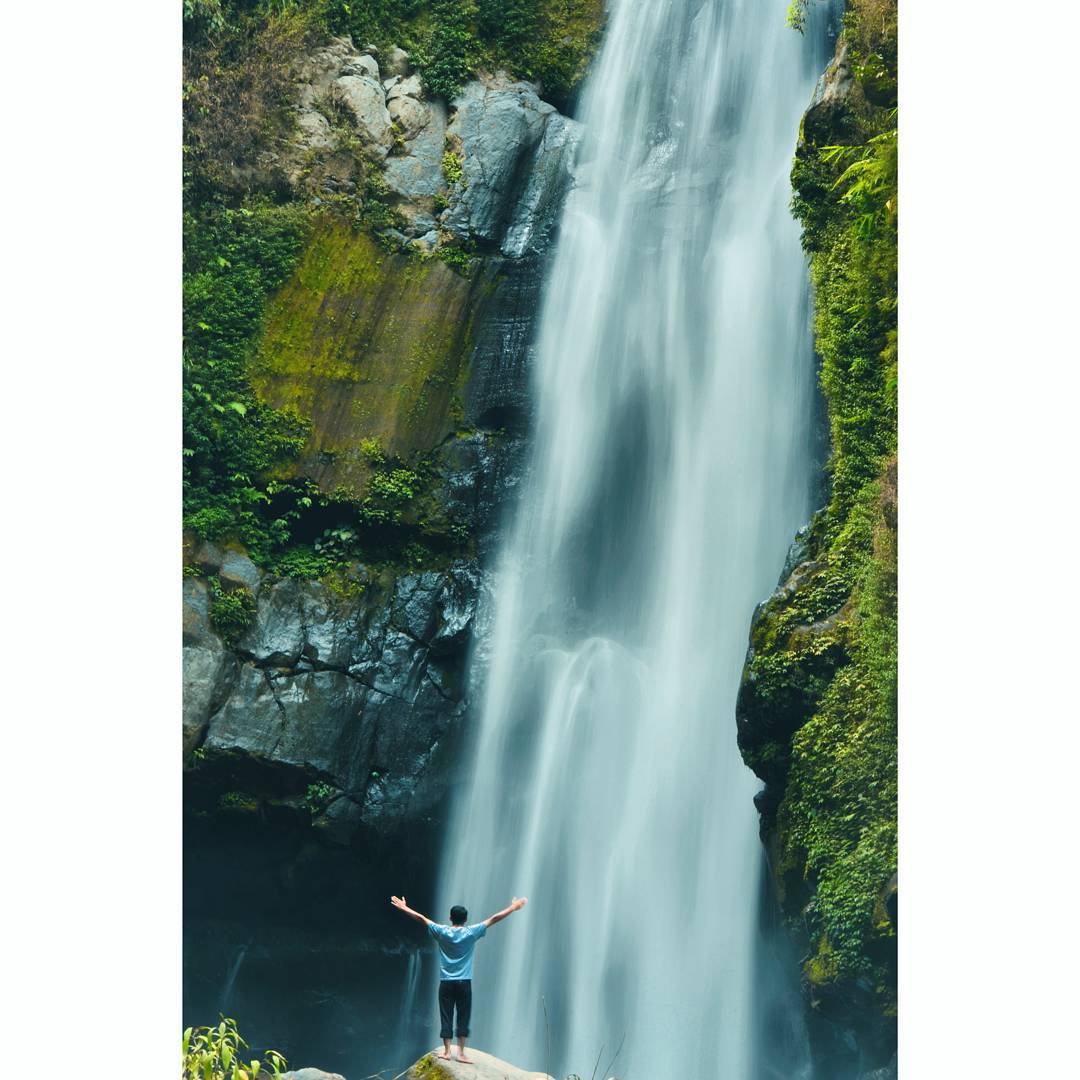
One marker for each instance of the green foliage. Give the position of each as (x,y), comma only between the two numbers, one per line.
(451,167)
(239,42)
(818,707)
(238,800)
(796,14)
(318,796)
(237,89)
(375,212)
(458,257)
(450,52)
(233,259)
(372,451)
(214,1053)
(838,816)
(231,612)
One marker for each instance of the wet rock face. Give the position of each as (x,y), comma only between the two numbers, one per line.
(355,694)
(515,159)
(515,152)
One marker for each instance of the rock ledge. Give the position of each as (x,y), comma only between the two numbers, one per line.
(484,1067)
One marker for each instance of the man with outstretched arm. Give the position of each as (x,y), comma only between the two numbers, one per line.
(456,943)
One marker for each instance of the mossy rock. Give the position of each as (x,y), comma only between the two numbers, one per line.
(371,347)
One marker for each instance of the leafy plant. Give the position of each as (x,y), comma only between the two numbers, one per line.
(233,259)
(451,52)
(318,796)
(214,1053)
(869,181)
(372,452)
(458,258)
(231,612)
(451,167)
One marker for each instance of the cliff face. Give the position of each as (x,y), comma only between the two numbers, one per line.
(363,263)
(817,708)
(360,289)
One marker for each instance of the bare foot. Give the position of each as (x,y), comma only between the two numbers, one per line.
(465,1061)
(444,1055)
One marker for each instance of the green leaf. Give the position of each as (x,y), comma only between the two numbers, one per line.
(239,407)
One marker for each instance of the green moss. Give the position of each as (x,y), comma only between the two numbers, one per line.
(368,348)
(817,708)
(233,261)
(428,1067)
(238,801)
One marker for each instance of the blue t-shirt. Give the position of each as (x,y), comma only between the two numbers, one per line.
(456,944)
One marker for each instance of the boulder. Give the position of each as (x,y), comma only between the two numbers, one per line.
(397,63)
(827,119)
(237,571)
(208,556)
(362,692)
(276,636)
(410,115)
(410,87)
(365,64)
(483,1067)
(310,1074)
(196,611)
(364,96)
(498,124)
(315,129)
(549,174)
(417,174)
(208,672)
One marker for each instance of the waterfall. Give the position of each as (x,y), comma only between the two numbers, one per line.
(408,1003)
(673,383)
(230,979)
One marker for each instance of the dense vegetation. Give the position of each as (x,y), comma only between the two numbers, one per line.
(817,712)
(245,233)
(550,41)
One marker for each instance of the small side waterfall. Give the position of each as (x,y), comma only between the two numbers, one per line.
(230,979)
(408,1002)
(673,382)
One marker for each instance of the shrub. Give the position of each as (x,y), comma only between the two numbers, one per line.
(213,1053)
(231,612)
(451,167)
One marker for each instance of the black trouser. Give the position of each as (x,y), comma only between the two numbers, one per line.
(455,992)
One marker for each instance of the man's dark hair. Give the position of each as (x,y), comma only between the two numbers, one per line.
(458,915)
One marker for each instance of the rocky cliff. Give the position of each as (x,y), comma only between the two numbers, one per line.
(817,708)
(360,295)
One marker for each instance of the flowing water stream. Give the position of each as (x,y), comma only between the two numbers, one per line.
(673,386)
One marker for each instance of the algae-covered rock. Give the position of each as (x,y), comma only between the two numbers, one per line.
(483,1067)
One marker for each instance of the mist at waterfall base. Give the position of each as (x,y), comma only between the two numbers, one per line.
(673,385)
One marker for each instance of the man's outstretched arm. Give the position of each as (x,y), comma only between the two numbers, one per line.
(515,905)
(399,903)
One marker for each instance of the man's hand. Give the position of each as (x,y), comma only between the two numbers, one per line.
(399,903)
(515,905)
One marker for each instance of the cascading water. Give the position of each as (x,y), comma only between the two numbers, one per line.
(673,382)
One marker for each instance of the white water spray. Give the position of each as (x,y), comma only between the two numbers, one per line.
(673,384)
